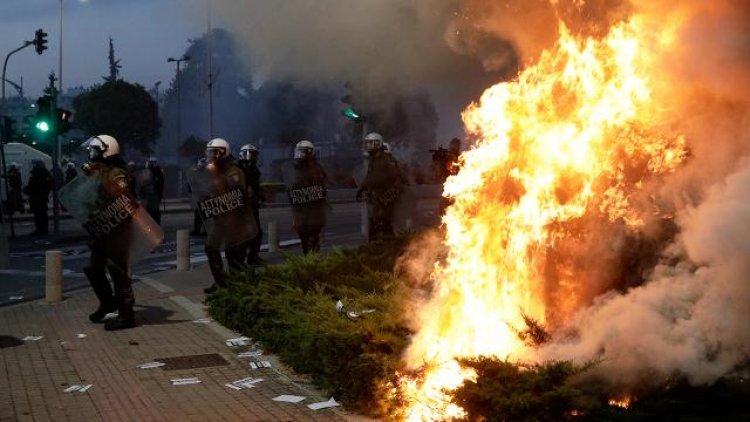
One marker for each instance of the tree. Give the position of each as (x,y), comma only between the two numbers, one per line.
(121,109)
(192,147)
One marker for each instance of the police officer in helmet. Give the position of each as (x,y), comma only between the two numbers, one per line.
(308,196)
(248,161)
(383,184)
(225,172)
(106,162)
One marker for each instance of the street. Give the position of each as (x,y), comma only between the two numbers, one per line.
(24,279)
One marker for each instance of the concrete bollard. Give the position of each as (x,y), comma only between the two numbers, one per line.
(53,273)
(183,250)
(273,237)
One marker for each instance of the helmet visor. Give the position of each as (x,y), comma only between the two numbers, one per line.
(213,154)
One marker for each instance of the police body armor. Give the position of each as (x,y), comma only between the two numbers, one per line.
(384,185)
(223,201)
(116,223)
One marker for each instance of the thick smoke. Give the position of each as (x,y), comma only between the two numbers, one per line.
(384,47)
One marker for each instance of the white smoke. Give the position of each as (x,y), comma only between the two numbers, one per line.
(689,318)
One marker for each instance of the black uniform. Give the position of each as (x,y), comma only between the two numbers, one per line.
(383,184)
(111,253)
(40,184)
(151,191)
(15,188)
(308,198)
(252,179)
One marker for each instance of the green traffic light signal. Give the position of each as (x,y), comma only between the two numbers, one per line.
(42,126)
(350,113)
(43,118)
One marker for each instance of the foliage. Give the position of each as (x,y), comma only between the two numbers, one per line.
(121,109)
(193,147)
(290,308)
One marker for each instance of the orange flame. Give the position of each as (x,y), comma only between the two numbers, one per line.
(577,133)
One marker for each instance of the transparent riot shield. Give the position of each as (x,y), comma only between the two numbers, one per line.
(117,224)
(224,206)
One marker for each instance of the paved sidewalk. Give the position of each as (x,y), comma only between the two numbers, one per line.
(36,372)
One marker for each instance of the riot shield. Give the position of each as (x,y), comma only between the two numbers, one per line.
(117,225)
(224,206)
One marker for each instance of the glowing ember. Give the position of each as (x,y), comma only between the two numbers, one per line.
(577,134)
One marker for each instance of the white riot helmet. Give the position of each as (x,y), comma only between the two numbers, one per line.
(217,149)
(373,141)
(304,149)
(101,146)
(247,152)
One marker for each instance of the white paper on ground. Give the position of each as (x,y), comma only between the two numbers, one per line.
(149,365)
(323,404)
(239,341)
(202,321)
(81,335)
(32,338)
(265,364)
(232,386)
(110,315)
(250,353)
(78,388)
(184,381)
(248,382)
(15,298)
(254,365)
(288,398)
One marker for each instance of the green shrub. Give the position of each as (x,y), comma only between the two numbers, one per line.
(290,308)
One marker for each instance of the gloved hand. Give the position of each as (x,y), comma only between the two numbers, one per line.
(359,194)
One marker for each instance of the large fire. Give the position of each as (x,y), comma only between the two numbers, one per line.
(578,133)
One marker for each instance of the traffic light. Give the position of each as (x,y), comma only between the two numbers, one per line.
(43,121)
(9,129)
(63,120)
(349,111)
(40,41)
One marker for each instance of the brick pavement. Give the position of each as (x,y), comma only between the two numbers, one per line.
(36,372)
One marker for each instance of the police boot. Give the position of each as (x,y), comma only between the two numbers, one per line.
(103,292)
(122,322)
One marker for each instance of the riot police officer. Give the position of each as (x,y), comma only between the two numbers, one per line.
(308,196)
(249,163)
(225,174)
(110,253)
(383,185)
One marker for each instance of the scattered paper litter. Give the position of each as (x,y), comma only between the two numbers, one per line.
(78,388)
(261,364)
(248,382)
(202,321)
(32,338)
(184,381)
(149,365)
(15,297)
(250,353)
(323,404)
(81,335)
(339,306)
(288,398)
(239,341)
(110,315)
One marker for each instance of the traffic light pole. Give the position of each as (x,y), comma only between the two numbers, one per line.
(2,148)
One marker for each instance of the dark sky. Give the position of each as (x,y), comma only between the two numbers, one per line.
(145,34)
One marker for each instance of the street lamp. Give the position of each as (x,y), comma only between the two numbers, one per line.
(184,58)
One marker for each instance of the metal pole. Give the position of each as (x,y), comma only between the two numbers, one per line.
(210,80)
(183,250)
(179,105)
(2,147)
(59,65)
